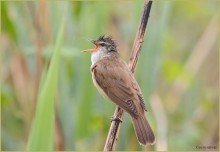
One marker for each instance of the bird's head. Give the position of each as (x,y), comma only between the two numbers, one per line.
(104,44)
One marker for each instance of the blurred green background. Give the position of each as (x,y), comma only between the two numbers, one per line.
(178,72)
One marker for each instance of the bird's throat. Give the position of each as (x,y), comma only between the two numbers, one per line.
(96,56)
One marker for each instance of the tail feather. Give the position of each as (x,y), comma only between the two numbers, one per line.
(143,130)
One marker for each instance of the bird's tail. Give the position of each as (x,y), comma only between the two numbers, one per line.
(143,130)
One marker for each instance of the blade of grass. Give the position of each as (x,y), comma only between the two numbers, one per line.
(42,131)
(7,24)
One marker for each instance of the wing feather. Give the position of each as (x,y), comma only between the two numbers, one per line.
(118,84)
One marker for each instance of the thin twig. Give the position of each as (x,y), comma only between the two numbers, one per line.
(116,125)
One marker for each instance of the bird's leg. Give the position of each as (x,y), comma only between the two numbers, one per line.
(117,115)
(116,118)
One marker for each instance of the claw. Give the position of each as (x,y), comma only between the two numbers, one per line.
(115,118)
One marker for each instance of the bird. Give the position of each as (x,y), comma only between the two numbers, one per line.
(115,81)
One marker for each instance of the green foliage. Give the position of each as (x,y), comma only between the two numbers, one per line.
(6,22)
(42,132)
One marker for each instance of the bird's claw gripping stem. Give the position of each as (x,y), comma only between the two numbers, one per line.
(115,118)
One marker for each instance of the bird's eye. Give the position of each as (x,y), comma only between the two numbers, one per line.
(102,44)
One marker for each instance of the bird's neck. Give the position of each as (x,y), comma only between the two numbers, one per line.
(96,56)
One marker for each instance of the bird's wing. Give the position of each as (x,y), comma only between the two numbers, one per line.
(119,84)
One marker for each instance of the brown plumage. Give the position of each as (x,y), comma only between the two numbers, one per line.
(115,81)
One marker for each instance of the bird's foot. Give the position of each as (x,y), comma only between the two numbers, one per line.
(115,118)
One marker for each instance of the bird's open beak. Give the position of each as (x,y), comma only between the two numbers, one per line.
(92,50)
